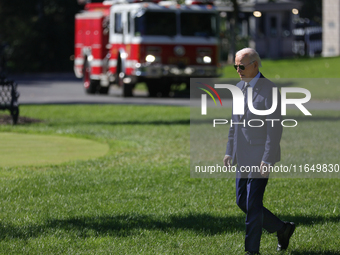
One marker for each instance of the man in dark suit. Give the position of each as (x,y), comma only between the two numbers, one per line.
(256,148)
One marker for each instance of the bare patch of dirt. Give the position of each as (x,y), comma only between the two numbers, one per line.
(22,120)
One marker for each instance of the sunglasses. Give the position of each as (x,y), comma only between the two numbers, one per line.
(242,67)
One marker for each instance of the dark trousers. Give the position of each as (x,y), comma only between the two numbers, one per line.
(249,197)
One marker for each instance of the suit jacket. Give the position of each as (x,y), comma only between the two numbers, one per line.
(248,146)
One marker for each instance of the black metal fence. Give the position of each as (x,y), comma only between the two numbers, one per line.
(9,98)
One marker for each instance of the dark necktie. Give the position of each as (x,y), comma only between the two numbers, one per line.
(244,90)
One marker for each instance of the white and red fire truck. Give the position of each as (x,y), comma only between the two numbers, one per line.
(121,43)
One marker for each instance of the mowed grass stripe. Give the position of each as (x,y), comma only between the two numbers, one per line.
(29,149)
(318,75)
(139,198)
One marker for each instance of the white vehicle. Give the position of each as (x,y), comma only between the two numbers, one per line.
(308,41)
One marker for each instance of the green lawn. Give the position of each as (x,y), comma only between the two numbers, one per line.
(139,197)
(23,149)
(319,75)
(295,68)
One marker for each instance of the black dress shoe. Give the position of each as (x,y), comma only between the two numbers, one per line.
(252,253)
(283,238)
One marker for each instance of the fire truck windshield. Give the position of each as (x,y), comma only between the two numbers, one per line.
(198,24)
(156,23)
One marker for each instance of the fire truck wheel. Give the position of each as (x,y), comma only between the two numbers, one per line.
(104,90)
(152,88)
(91,87)
(127,90)
(166,89)
(127,87)
(159,88)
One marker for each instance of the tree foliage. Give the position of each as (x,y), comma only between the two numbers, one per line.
(39,34)
(312,10)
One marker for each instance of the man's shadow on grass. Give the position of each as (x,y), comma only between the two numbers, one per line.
(132,224)
(127,225)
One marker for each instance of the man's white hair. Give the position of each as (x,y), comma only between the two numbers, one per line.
(253,55)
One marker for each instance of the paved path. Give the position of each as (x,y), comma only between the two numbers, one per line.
(66,89)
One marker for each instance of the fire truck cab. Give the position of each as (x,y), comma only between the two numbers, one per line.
(120,43)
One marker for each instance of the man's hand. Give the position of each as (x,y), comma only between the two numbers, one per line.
(227,160)
(264,169)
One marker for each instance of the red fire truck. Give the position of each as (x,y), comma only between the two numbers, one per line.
(122,43)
